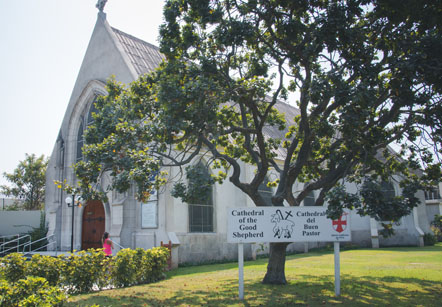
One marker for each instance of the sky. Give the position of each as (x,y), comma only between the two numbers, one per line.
(42,45)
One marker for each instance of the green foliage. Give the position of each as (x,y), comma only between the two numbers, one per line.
(30,292)
(437,222)
(28,182)
(374,202)
(125,268)
(385,276)
(366,74)
(49,268)
(131,267)
(13,267)
(157,259)
(436,227)
(199,185)
(429,239)
(83,270)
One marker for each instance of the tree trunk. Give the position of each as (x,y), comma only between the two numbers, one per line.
(276,267)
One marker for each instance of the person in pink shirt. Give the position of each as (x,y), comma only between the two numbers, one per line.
(108,246)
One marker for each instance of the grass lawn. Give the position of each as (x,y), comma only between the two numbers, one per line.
(405,276)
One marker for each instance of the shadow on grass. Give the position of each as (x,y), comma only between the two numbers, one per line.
(304,290)
(207,268)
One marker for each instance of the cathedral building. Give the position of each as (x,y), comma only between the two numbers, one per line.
(196,231)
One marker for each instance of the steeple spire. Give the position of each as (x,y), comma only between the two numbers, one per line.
(100,5)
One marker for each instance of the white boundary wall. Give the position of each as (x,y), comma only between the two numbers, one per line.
(15,222)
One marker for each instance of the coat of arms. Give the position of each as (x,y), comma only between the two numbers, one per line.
(340,224)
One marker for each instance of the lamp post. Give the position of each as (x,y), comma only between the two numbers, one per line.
(72,202)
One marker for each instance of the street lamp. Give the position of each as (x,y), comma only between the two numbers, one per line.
(72,202)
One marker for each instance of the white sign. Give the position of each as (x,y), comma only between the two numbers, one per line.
(285,224)
(149,215)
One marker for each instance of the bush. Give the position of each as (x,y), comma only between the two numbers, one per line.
(429,239)
(47,267)
(83,270)
(132,267)
(436,227)
(125,268)
(159,256)
(32,291)
(13,267)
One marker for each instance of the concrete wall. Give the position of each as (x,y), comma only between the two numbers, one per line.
(432,210)
(7,202)
(15,222)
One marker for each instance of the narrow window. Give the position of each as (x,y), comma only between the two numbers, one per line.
(84,123)
(80,142)
(92,109)
(201,208)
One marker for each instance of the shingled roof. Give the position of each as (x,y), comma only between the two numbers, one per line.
(144,57)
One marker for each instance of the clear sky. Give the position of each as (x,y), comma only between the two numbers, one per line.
(42,44)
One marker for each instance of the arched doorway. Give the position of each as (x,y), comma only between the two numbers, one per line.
(93,225)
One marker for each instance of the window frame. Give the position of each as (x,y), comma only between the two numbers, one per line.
(206,211)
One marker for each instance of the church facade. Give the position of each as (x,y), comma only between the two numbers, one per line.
(197,232)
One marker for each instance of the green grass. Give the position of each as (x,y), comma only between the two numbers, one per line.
(404,276)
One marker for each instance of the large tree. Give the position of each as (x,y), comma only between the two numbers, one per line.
(27,182)
(365,74)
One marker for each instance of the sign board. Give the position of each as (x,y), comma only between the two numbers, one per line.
(285,224)
(149,212)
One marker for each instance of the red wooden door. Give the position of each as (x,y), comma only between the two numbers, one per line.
(93,225)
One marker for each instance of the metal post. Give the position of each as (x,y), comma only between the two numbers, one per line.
(72,232)
(241,270)
(337,270)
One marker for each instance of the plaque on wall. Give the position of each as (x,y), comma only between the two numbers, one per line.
(149,215)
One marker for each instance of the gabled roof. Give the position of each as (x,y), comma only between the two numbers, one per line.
(144,57)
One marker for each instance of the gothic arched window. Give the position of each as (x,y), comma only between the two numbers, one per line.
(387,189)
(85,121)
(201,206)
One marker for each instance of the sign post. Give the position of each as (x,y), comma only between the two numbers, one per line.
(285,224)
(241,270)
(337,270)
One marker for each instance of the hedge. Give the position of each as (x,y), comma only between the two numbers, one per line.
(30,283)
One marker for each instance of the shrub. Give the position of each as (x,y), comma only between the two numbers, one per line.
(429,239)
(84,270)
(139,266)
(125,268)
(47,267)
(13,267)
(159,256)
(32,291)
(436,227)
(5,292)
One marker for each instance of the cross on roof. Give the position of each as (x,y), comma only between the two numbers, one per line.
(100,5)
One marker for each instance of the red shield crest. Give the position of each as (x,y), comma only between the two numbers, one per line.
(340,224)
